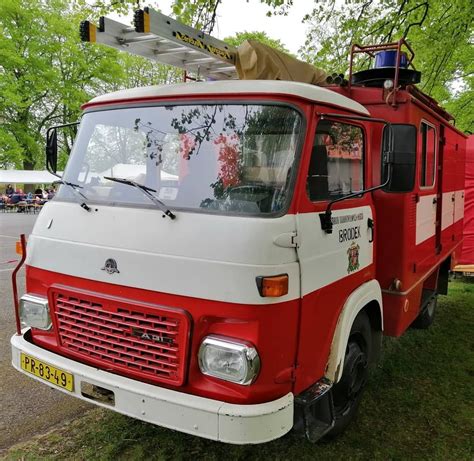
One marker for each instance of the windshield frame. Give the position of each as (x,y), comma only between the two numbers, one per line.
(207,101)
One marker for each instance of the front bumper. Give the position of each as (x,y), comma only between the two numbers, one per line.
(212,419)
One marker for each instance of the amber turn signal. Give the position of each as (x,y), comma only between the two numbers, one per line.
(273,286)
(18,248)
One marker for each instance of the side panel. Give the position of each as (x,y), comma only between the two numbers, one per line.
(425,218)
(327,258)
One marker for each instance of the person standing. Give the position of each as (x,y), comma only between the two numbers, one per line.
(9,191)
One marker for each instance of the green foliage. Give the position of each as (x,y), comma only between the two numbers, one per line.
(47,73)
(440,34)
(262,37)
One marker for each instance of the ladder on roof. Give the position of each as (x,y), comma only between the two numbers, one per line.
(167,41)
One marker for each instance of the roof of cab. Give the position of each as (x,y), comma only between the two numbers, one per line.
(271,87)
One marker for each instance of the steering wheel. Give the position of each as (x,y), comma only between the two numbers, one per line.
(249,189)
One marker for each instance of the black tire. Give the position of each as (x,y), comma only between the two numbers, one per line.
(347,393)
(427,315)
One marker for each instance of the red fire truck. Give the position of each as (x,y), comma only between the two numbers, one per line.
(223,257)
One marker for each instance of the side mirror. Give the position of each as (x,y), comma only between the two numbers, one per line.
(399,155)
(52,145)
(52,150)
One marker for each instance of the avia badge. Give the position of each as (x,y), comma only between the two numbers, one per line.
(142,334)
(111,266)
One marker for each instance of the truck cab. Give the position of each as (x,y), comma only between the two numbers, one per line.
(183,262)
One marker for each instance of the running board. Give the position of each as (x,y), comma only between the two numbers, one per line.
(314,411)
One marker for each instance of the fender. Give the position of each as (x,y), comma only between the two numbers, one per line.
(358,299)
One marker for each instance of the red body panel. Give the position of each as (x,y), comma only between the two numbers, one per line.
(467,257)
(272,329)
(398,254)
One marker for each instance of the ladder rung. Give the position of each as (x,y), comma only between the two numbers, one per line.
(149,39)
(204,60)
(181,49)
(223,69)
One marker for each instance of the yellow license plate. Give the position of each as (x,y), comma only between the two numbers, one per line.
(47,372)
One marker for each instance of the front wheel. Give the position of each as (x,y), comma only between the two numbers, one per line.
(347,392)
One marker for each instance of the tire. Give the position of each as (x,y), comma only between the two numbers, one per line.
(427,315)
(347,392)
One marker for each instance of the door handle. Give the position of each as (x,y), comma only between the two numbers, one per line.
(371,226)
(435,201)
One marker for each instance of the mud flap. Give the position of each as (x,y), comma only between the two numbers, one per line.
(314,411)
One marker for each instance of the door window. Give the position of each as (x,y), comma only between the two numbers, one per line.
(336,166)
(428,155)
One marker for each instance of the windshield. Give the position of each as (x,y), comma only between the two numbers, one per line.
(214,158)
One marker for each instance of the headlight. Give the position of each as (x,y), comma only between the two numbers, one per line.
(34,312)
(229,360)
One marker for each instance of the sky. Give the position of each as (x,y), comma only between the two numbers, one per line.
(241,15)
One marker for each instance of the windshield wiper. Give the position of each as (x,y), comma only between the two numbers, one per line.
(147,191)
(78,194)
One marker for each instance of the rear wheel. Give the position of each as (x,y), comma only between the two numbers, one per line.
(347,393)
(427,315)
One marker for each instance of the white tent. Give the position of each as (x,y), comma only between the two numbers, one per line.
(26,177)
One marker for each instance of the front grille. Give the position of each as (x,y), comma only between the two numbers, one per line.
(140,341)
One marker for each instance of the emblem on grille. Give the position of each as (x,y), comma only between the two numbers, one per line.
(111,266)
(142,334)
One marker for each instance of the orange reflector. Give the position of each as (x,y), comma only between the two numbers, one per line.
(18,248)
(146,21)
(274,286)
(92,33)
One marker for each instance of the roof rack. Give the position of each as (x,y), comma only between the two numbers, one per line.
(167,41)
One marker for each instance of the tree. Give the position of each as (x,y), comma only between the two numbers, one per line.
(46,74)
(262,37)
(440,34)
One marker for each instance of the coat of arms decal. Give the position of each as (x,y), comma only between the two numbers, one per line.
(353,256)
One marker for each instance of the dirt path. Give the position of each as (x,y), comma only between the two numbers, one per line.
(26,406)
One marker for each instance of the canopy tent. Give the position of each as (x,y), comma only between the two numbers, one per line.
(26,177)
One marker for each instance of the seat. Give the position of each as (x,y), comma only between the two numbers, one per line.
(318,181)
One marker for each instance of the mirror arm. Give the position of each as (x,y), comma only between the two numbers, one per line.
(326,217)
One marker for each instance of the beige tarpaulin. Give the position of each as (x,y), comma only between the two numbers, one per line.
(256,61)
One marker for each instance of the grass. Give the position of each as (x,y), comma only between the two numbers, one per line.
(418,405)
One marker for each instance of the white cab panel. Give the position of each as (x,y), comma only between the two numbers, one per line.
(198,255)
(232,87)
(327,258)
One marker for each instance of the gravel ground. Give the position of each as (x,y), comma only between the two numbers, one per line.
(26,406)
